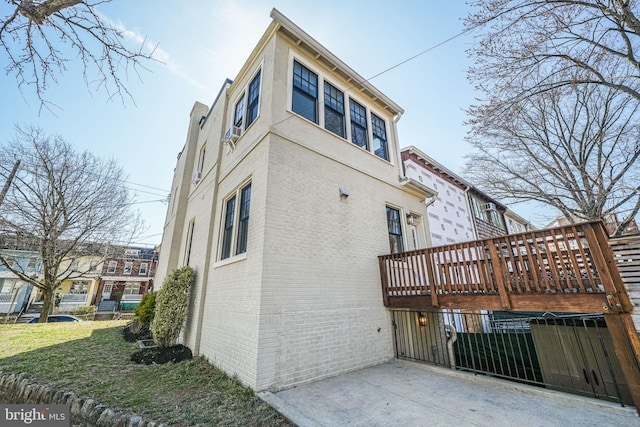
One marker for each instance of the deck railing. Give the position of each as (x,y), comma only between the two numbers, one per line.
(505,271)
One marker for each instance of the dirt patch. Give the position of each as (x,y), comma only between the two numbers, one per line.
(158,355)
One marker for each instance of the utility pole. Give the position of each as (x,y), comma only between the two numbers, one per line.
(7,184)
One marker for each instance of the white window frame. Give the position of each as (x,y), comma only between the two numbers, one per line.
(128,268)
(130,286)
(146,268)
(112,267)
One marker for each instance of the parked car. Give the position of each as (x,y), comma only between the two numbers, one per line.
(57,318)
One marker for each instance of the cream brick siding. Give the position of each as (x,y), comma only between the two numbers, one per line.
(304,302)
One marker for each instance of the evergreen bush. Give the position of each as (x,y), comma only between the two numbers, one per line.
(145,311)
(171,307)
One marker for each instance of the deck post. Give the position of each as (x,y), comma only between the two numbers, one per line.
(626,345)
(602,256)
(499,275)
(384,280)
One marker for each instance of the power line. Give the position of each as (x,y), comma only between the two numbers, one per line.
(146,186)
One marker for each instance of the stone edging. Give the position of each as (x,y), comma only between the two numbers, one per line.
(84,412)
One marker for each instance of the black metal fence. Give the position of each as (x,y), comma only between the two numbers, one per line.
(570,353)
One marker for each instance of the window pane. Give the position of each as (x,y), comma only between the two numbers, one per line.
(254,99)
(333,110)
(304,105)
(379,130)
(358,125)
(395,230)
(228,228)
(305,92)
(239,113)
(243,224)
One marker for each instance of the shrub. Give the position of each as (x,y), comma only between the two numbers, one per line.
(171,307)
(145,311)
(83,310)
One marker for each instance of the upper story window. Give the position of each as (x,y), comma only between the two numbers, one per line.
(253,99)
(189,242)
(111,267)
(333,109)
(128,267)
(305,92)
(394,226)
(326,108)
(201,157)
(236,242)
(144,267)
(359,134)
(379,130)
(238,116)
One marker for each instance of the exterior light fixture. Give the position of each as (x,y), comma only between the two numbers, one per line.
(410,219)
(422,319)
(344,193)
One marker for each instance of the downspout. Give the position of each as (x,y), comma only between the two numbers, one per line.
(396,118)
(453,337)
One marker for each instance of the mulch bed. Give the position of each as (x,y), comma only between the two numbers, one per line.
(158,355)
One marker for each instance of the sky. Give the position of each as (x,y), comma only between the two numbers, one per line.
(200,43)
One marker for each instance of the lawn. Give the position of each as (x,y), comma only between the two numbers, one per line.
(92,360)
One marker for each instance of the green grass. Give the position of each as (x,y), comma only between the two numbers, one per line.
(92,360)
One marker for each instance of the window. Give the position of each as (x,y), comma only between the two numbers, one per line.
(189,242)
(93,265)
(379,137)
(132,288)
(111,267)
(305,92)
(236,239)
(128,266)
(74,265)
(80,287)
(333,110)
(253,102)
(359,134)
(239,112)
(230,210)
(132,253)
(203,152)
(144,267)
(243,223)
(395,230)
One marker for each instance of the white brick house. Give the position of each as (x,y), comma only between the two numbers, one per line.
(286,191)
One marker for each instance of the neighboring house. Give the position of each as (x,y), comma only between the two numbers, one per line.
(81,288)
(127,275)
(460,212)
(15,293)
(611,222)
(286,191)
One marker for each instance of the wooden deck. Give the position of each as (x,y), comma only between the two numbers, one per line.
(568,269)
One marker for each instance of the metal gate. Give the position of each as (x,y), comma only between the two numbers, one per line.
(570,353)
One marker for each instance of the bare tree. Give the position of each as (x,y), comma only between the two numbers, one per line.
(527,47)
(40,38)
(576,150)
(66,203)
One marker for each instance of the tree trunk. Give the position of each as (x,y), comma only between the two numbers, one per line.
(47,306)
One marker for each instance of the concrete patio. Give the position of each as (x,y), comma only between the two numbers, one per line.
(401,393)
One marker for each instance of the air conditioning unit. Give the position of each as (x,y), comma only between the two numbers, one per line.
(197,176)
(233,133)
(490,206)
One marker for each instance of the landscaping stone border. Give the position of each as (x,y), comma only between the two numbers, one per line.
(84,412)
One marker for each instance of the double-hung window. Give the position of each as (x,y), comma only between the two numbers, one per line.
(236,230)
(239,112)
(359,134)
(253,99)
(128,267)
(111,267)
(394,227)
(305,92)
(333,109)
(379,137)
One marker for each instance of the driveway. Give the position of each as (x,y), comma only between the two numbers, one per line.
(401,393)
